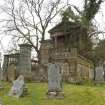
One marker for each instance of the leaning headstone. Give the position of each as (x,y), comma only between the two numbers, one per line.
(54,81)
(18,87)
(99,73)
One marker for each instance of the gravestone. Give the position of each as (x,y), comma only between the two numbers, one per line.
(54,81)
(18,87)
(99,73)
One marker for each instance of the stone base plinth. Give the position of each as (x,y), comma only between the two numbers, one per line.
(55,95)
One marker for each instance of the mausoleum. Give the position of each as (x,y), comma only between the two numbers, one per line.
(64,47)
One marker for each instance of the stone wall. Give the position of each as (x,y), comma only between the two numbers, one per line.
(85,68)
(11,72)
(9,63)
(18,64)
(73,66)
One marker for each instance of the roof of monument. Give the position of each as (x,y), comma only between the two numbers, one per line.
(65,26)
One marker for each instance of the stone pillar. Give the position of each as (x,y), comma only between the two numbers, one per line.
(0,72)
(24,63)
(44,51)
(5,67)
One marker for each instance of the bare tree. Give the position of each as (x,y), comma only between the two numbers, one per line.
(28,20)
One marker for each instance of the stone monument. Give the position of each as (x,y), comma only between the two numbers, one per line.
(54,81)
(99,73)
(18,87)
(24,63)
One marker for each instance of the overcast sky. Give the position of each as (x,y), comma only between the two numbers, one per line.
(100,19)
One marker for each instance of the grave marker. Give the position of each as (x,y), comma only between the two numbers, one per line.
(54,81)
(18,87)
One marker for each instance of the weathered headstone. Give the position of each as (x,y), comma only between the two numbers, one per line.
(18,87)
(99,73)
(54,81)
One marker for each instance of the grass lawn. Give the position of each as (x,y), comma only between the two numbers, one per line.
(74,95)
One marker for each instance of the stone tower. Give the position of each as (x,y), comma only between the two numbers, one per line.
(24,63)
(44,51)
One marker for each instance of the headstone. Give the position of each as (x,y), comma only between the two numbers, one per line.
(54,81)
(18,87)
(99,73)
